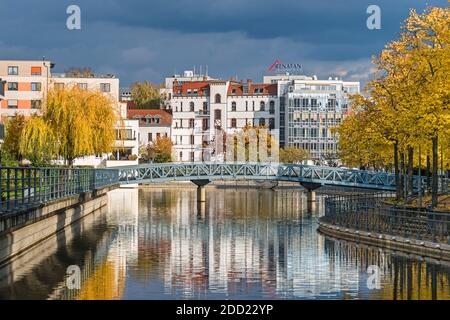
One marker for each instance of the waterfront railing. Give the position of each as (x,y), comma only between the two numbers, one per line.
(27,187)
(374,213)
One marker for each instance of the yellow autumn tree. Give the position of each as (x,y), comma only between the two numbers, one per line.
(408,101)
(79,122)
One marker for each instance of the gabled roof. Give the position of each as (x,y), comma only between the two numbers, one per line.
(144,114)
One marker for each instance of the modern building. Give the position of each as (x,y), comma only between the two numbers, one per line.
(27,84)
(309,109)
(25,88)
(298,110)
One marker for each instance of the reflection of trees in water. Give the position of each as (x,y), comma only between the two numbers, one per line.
(402,277)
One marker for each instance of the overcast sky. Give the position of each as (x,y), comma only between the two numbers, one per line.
(150,39)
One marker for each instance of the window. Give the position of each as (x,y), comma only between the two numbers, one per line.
(191,107)
(192,156)
(36,71)
(233,91)
(192,139)
(188,91)
(13,86)
(205,124)
(158,135)
(331,104)
(246,105)
(13,70)
(36,104)
(272,107)
(262,106)
(150,137)
(82,86)
(217,114)
(262,122)
(305,103)
(105,87)
(205,107)
(59,86)
(36,86)
(218,98)
(314,104)
(191,123)
(12,104)
(181,155)
(233,106)
(271,123)
(233,123)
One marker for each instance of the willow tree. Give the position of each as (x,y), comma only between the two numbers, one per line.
(80,122)
(37,141)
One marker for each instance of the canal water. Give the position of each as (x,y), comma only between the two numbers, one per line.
(244,243)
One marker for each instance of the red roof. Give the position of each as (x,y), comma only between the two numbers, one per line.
(165,118)
(203,86)
(194,85)
(270,89)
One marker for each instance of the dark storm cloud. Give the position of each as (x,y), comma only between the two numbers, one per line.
(150,39)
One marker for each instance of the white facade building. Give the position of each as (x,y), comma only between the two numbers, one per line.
(298,110)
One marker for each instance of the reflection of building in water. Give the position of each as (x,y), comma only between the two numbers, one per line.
(402,277)
(250,239)
(107,280)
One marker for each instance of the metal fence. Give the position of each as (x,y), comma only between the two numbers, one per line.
(371,213)
(23,188)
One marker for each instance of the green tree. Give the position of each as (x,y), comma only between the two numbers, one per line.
(13,132)
(293,155)
(80,72)
(146,95)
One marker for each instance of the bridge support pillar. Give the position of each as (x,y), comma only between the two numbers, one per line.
(310,187)
(201,192)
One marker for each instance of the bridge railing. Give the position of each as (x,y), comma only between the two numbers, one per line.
(372,213)
(26,187)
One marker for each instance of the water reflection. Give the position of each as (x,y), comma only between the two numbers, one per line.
(244,244)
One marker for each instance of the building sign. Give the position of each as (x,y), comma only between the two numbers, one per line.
(280,67)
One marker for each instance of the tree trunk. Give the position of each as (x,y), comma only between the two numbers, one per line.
(428,173)
(434,177)
(402,175)
(398,186)
(410,190)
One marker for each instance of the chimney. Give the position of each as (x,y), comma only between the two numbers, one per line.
(249,81)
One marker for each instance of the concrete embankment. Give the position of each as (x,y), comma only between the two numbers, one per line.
(424,248)
(20,231)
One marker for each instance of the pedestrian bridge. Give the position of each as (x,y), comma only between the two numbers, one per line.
(309,176)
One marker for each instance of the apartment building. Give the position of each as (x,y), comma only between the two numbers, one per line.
(25,87)
(205,110)
(153,123)
(27,83)
(298,110)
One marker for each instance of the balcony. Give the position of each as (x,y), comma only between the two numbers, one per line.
(202,113)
